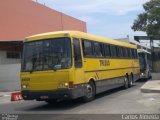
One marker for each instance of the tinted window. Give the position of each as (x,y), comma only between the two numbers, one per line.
(47,54)
(128,52)
(77,54)
(14,55)
(113,51)
(107,51)
(124,52)
(87,48)
(119,52)
(98,49)
(135,53)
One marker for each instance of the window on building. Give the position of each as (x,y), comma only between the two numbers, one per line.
(13,55)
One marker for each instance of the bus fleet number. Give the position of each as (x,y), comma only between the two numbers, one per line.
(104,62)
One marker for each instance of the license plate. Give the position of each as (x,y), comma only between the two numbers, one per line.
(44,97)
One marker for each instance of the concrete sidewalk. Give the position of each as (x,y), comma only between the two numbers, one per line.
(151,87)
(5,97)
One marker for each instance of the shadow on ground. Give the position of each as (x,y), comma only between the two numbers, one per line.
(68,105)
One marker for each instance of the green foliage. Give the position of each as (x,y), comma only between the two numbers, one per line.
(149,21)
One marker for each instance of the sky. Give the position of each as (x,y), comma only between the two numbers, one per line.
(107,18)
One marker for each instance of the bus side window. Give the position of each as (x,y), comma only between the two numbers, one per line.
(97,49)
(107,50)
(124,52)
(133,55)
(113,51)
(77,53)
(128,52)
(119,52)
(136,54)
(87,48)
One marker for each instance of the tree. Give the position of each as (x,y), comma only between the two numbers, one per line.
(149,21)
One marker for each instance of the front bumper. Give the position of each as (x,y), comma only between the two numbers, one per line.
(143,76)
(64,93)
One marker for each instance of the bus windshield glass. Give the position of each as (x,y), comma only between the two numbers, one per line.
(142,61)
(49,54)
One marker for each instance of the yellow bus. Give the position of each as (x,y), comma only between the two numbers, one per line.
(71,64)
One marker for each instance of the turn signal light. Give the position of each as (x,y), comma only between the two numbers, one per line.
(71,85)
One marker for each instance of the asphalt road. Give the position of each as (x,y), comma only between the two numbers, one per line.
(117,101)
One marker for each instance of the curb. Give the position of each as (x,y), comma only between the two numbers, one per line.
(12,96)
(149,90)
(151,87)
(1,95)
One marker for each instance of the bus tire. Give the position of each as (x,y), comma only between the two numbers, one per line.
(126,81)
(89,92)
(130,83)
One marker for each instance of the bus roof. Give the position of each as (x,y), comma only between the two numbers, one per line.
(79,35)
(143,51)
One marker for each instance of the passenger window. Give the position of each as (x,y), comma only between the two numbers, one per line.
(120,53)
(97,49)
(87,48)
(128,52)
(124,52)
(107,50)
(113,51)
(135,52)
(133,55)
(77,53)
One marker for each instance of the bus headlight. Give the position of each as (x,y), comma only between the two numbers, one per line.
(66,85)
(25,86)
(62,85)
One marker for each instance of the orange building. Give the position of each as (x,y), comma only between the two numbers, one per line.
(22,18)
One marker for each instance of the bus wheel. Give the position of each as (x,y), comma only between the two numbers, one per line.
(90,92)
(126,82)
(130,81)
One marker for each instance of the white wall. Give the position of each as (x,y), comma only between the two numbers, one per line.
(5,60)
(10,77)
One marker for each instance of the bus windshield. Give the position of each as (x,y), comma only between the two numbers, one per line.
(48,54)
(142,61)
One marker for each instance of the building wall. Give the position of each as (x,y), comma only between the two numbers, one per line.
(10,77)
(22,18)
(156,59)
(156,66)
(4,60)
